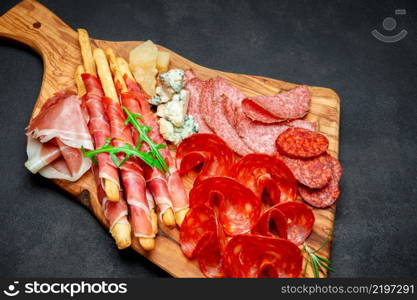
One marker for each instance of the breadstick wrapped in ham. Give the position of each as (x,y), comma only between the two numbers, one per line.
(115,212)
(131,171)
(136,101)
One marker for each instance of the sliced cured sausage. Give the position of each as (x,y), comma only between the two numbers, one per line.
(272,223)
(198,224)
(326,196)
(300,220)
(194,87)
(264,173)
(292,104)
(236,206)
(256,113)
(208,149)
(314,173)
(213,95)
(301,143)
(252,256)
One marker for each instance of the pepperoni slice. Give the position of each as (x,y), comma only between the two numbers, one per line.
(253,256)
(300,220)
(256,113)
(265,174)
(204,148)
(236,206)
(301,143)
(199,223)
(272,223)
(326,196)
(314,173)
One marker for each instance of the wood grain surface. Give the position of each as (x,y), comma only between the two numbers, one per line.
(33,24)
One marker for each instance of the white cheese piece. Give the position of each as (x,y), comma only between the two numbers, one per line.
(174,110)
(173,79)
(177,134)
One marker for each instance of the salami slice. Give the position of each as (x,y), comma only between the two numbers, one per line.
(259,137)
(326,196)
(292,104)
(300,220)
(188,76)
(204,148)
(314,173)
(210,258)
(256,113)
(216,117)
(198,224)
(264,173)
(194,86)
(301,143)
(236,206)
(312,126)
(252,256)
(272,223)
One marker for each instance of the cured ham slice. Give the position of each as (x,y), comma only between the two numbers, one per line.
(136,102)
(55,137)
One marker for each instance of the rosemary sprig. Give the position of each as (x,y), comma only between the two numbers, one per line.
(127,149)
(143,137)
(317,262)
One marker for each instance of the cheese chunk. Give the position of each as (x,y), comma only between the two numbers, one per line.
(173,79)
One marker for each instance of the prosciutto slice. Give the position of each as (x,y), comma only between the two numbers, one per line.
(136,102)
(55,137)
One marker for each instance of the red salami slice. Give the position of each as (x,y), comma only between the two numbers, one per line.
(312,126)
(272,223)
(204,148)
(188,76)
(293,104)
(301,143)
(251,256)
(326,196)
(300,220)
(194,87)
(210,258)
(215,116)
(238,208)
(314,173)
(263,173)
(198,224)
(256,113)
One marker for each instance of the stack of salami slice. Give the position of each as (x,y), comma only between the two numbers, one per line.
(246,125)
(243,219)
(318,173)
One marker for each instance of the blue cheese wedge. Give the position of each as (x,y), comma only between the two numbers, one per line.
(174,110)
(177,134)
(173,79)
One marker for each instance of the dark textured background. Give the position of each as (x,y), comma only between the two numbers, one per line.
(325,43)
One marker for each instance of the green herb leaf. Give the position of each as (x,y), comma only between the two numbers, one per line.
(317,262)
(143,130)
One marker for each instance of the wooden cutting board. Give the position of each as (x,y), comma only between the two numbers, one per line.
(33,24)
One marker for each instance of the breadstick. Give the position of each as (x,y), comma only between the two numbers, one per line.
(88,61)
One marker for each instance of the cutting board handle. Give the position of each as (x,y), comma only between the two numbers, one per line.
(33,24)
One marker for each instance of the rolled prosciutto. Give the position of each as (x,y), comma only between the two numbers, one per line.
(55,137)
